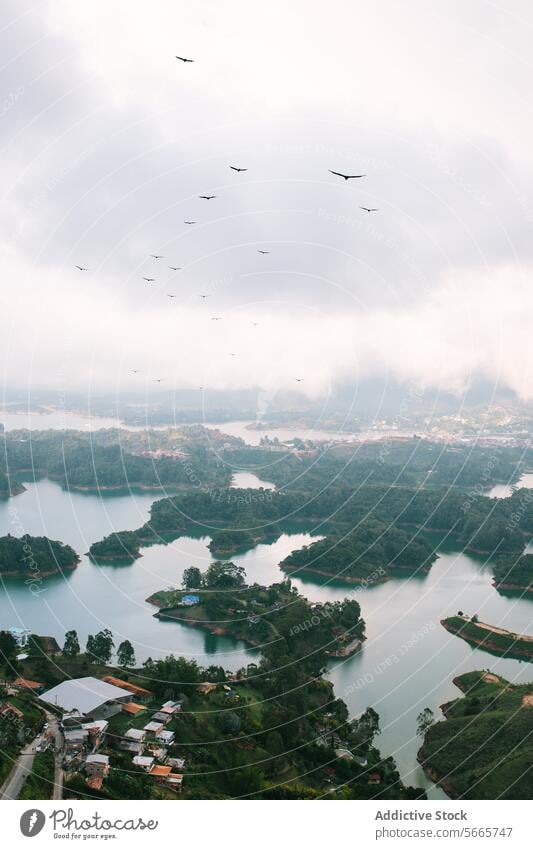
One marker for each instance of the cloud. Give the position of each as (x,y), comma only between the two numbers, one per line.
(109,141)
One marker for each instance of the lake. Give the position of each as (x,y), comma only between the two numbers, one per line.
(505,490)
(406,664)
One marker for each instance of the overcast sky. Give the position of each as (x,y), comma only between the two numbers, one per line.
(107,141)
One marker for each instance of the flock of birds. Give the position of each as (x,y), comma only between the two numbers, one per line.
(238,170)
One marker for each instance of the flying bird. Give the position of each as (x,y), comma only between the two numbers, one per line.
(81,268)
(157,380)
(216,318)
(346,176)
(204,296)
(299,379)
(149,279)
(183,59)
(255,324)
(369,208)
(234,168)
(171,296)
(263,252)
(207,197)
(175,267)
(189,222)
(135,371)
(156,256)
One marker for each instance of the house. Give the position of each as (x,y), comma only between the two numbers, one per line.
(143,762)
(11,711)
(189,600)
(344,754)
(206,688)
(34,687)
(165,737)
(135,734)
(75,741)
(161,717)
(20,635)
(374,778)
(361,760)
(140,693)
(97,765)
(89,696)
(96,730)
(132,708)
(164,775)
(153,728)
(179,763)
(170,707)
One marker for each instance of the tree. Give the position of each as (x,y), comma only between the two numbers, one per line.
(366,728)
(126,654)
(192,578)
(8,648)
(100,646)
(424,720)
(71,647)
(225,576)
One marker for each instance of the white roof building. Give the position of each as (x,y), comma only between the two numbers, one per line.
(166,737)
(143,762)
(87,695)
(137,734)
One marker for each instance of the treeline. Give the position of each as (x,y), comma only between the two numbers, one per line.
(77,460)
(29,556)
(396,462)
(514,573)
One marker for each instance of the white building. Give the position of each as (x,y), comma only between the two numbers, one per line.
(89,696)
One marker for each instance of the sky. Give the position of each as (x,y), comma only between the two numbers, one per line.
(108,140)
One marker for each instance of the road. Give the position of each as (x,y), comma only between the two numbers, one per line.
(23,765)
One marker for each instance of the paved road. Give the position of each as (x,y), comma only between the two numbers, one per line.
(23,765)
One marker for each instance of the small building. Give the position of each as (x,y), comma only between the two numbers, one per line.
(20,635)
(160,716)
(206,688)
(75,741)
(178,763)
(189,600)
(170,707)
(165,737)
(7,709)
(344,754)
(132,708)
(374,778)
(143,762)
(153,728)
(164,775)
(34,687)
(96,730)
(135,734)
(97,765)
(140,693)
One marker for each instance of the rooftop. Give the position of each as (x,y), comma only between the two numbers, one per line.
(126,685)
(83,694)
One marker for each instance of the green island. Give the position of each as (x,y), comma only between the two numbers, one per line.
(224,605)
(484,747)
(369,533)
(35,557)
(271,730)
(495,640)
(515,574)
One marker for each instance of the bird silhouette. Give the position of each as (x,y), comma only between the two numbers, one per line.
(346,176)
(171,296)
(263,252)
(216,318)
(135,371)
(207,197)
(157,380)
(369,208)
(189,222)
(204,296)
(149,279)
(234,168)
(81,268)
(299,379)
(175,267)
(183,59)
(156,256)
